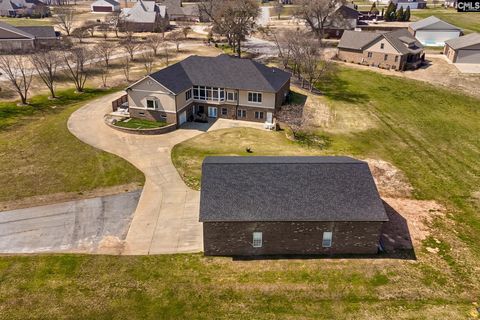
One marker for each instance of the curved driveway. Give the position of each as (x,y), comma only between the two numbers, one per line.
(166,218)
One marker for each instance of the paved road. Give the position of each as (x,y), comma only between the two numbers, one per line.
(97,225)
(166,219)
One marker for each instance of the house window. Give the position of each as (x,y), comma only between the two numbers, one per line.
(222,94)
(396,58)
(196,93)
(203,93)
(255,97)
(257,240)
(369,54)
(382,46)
(188,95)
(241,113)
(258,115)
(231,96)
(152,103)
(224,111)
(385,58)
(327,239)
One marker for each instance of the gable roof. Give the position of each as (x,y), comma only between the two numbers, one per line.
(288,189)
(222,71)
(401,39)
(144,12)
(464,41)
(39,32)
(433,23)
(102,2)
(16,30)
(357,40)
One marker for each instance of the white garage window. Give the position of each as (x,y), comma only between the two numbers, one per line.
(152,103)
(327,239)
(257,239)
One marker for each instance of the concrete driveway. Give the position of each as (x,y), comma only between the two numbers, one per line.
(166,218)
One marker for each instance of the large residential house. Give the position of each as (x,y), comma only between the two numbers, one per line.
(344,18)
(397,50)
(214,87)
(177,11)
(258,206)
(27,38)
(145,16)
(24,8)
(432,31)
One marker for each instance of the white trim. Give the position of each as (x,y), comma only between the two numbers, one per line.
(256,92)
(327,239)
(257,239)
(135,83)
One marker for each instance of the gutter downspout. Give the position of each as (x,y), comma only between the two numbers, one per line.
(238,103)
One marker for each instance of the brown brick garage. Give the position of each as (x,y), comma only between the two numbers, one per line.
(235,238)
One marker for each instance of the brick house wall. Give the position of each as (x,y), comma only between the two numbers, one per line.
(283,238)
(376,59)
(153,115)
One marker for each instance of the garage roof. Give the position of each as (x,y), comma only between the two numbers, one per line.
(288,189)
(433,23)
(464,41)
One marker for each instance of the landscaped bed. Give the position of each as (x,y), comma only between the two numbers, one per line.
(140,124)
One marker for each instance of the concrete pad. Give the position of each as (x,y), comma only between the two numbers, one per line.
(471,68)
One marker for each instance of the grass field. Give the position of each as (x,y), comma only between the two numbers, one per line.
(27,21)
(469,21)
(40,156)
(140,124)
(429,133)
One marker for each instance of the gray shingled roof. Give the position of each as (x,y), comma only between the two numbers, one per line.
(400,40)
(222,71)
(432,23)
(40,32)
(357,40)
(16,30)
(464,41)
(288,189)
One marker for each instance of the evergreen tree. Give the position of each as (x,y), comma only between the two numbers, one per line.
(373,9)
(406,15)
(400,14)
(390,12)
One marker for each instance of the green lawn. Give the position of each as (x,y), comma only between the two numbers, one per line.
(140,124)
(469,21)
(40,156)
(429,133)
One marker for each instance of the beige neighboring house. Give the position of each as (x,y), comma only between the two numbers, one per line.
(198,88)
(397,50)
(465,49)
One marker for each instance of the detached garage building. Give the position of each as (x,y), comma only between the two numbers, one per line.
(465,49)
(433,31)
(102,6)
(289,205)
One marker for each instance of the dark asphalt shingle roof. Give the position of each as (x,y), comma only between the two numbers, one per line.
(288,189)
(222,71)
(40,32)
(16,30)
(401,38)
(356,40)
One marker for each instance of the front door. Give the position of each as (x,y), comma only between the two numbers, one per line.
(212,112)
(269,117)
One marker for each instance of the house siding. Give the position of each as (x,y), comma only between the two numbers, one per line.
(283,238)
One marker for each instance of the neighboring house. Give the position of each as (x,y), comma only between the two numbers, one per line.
(344,18)
(432,31)
(24,8)
(289,205)
(177,11)
(102,6)
(145,16)
(450,3)
(24,39)
(413,4)
(465,49)
(215,87)
(397,50)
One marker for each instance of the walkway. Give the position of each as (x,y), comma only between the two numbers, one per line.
(166,219)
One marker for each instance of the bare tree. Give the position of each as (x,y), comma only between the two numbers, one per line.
(16,71)
(154,41)
(130,45)
(186,31)
(80,34)
(114,20)
(319,14)
(90,27)
(165,49)
(277,9)
(46,64)
(126,68)
(65,19)
(104,51)
(235,19)
(292,115)
(76,60)
(148,60)
(313,65)
(176,38)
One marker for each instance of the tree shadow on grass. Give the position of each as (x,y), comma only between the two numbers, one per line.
(338,89)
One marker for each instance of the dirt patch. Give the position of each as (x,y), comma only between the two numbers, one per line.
(391,182)
(111,245)
(409,222)
(65,196)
